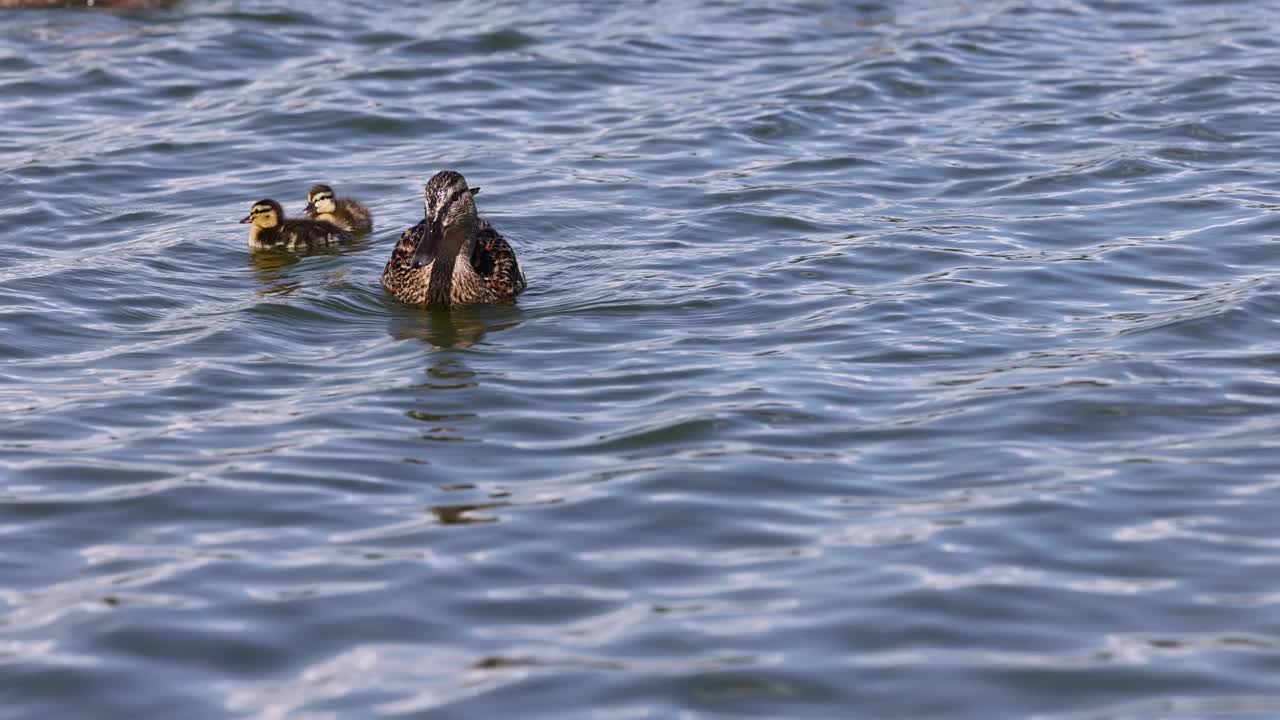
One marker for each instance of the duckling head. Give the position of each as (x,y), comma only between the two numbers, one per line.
(320,200)
(451,215)
(265,214)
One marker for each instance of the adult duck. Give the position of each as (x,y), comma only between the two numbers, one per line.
(452,257)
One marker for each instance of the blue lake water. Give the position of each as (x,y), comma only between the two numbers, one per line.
(910,359)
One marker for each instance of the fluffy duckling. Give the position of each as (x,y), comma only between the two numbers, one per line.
(346,213)
(270,229)
(452,257)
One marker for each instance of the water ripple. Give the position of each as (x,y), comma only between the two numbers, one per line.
(911,357)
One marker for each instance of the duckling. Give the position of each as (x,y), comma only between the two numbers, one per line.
(271,230)
(452,257)
(348,214)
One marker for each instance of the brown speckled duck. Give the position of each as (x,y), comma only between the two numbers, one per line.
(270,230)
(346,213)
(452,257)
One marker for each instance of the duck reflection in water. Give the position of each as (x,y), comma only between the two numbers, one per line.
(280,273)
(455,328)
(271,270)
(462,514)
(443,401)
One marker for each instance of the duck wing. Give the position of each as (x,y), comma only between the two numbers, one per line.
(493,259)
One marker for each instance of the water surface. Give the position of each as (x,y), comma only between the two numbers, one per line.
(892,360)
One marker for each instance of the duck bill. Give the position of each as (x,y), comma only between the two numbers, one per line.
(247,219)
(310,208)
(428,246)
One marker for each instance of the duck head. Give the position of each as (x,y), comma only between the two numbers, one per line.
(451,216)
(265,214)
(320,200)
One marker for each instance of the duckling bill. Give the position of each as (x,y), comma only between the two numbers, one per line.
(452,257)
(270,230)
(350,215)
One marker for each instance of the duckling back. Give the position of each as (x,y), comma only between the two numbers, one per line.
(352,215)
